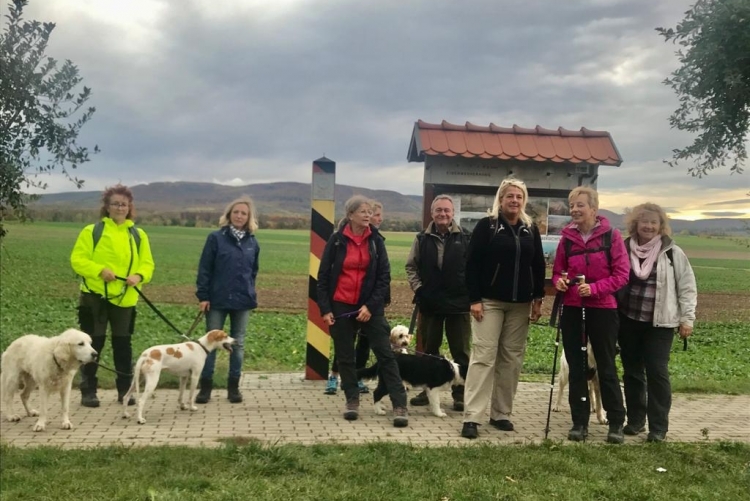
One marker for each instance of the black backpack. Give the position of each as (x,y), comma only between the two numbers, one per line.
(606,247)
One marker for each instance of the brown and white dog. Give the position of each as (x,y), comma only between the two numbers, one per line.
(595,395)
(400,339)
(185,360)
(47,363)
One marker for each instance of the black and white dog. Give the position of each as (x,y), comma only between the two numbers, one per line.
(434,374)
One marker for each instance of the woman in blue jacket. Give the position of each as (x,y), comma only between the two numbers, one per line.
(226,287)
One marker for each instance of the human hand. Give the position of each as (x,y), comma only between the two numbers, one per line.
(107,275)
(562,285)
(204,306)
(477,311)
(364,314)
(328,319)
(133,280)
(584,290)
(536,311)
(685,331)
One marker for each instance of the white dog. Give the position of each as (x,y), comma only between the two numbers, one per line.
(400,339)
(595,395)
(47,363)
(185,360)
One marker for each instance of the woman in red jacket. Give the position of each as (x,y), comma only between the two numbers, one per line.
(591,248)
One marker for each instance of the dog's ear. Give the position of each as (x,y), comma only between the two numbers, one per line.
(216,336)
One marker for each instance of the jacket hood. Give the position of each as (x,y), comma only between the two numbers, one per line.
(571,230)
(455,228)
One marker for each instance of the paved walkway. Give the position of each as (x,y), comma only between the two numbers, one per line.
(282,408)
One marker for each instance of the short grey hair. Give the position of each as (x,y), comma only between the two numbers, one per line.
(442,197)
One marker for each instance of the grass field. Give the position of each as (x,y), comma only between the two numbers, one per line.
(39,293)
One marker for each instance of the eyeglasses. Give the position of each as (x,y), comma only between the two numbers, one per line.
(118,205)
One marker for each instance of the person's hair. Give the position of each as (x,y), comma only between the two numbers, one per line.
(511,182)
(252,220)
(117,189)
(351,206)
(631,219)
(590,193)
(376,205)
(442,197)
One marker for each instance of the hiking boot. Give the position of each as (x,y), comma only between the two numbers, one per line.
(656,436)
(332,385)
(420,399)
(88,391)
(352,410)
(632,430)
(470,430)
(502,424)
(615,435)
(233,390)
(89,398)
(578,433)
(123,386)
(363,387)
(204,395)
(400,417)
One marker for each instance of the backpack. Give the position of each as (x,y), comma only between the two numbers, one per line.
(606,247)
(99,229)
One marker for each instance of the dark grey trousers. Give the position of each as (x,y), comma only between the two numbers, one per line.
(645,353)
(377,332)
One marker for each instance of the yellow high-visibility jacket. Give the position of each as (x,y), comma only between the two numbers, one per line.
(113,251)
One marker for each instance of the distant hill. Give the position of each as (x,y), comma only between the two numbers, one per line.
(293,199)
(285,198)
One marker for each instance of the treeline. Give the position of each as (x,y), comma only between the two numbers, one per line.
(197,219)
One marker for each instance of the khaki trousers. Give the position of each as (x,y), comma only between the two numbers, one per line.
(497,350)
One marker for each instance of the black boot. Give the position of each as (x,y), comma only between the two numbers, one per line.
(88,389)
(123,385)
(204,395)
(233,390)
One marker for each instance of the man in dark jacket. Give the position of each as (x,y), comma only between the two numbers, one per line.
(436,270)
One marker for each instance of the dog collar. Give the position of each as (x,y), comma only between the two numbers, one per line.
(56,362)
(201,345)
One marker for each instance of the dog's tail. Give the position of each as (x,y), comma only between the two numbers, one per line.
(368,372)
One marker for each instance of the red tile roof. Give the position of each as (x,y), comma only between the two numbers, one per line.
(537,144)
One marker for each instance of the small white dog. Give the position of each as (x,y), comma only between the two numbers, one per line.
(185,360)
(47,363)
(595,395)
(400,339)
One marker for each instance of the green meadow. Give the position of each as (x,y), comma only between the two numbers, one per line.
(39,293)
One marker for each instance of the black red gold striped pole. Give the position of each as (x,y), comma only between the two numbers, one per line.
(321,229)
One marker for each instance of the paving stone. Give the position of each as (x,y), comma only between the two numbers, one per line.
(283,408)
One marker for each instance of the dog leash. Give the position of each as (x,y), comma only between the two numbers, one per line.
(166,320)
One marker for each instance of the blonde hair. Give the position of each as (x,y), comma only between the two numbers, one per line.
(507,183)
(590,193)
(252,220)
(631,220)
(376,205)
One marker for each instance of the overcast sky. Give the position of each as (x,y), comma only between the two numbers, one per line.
(251,91)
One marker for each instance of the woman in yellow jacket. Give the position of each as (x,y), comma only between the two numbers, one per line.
(105,252)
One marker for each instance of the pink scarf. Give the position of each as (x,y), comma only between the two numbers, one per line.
(648,252)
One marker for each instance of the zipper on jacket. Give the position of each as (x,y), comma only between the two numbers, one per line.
(494,277)
(518,264)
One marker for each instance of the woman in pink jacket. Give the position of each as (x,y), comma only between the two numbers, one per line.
(591,248)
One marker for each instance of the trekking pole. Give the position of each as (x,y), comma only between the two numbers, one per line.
(554,321)
(580,280)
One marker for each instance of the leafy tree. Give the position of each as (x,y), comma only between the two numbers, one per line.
(37,103)
(713,84)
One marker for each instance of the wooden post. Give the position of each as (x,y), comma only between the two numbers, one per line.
(321,229)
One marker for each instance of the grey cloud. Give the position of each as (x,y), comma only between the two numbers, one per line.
(257,98)
(723,214)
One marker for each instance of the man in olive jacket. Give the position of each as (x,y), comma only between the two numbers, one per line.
(436,270)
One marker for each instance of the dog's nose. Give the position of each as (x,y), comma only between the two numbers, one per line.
(95,356)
